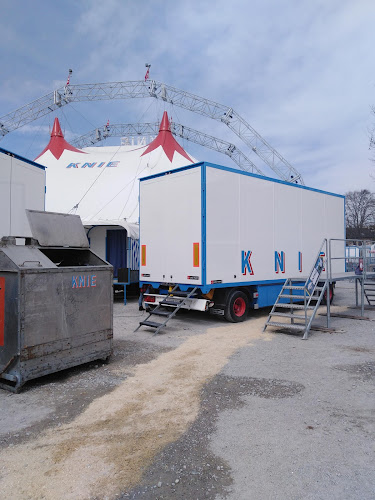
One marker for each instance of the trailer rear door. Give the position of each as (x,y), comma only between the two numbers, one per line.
(171,228)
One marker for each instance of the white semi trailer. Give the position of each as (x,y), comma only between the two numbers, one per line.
(232,235)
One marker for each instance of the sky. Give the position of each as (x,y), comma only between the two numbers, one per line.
(300,72)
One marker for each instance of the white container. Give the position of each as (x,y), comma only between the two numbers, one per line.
(22,186)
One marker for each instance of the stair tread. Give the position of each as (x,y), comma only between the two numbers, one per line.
(292,287)
(293,306)
(288,315)
(160,312)
(287,296)
(314,297)
(286,325)
(153,324)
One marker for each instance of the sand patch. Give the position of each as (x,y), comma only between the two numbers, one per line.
(106,449)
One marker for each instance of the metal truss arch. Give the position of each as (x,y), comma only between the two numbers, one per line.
(190,134)
(158,90)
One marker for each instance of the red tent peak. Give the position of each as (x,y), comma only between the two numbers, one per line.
(165,125)
(56,131)
(57,144)
(166,140)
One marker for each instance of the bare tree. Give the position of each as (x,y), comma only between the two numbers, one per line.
(360,214)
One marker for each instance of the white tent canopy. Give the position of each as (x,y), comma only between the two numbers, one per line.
(101,183)
(131,228)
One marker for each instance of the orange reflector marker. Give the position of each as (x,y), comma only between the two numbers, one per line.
(2,310)
(143,255)
(195,254)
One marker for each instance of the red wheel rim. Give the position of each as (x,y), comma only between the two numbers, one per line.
(239,306)
(330,295)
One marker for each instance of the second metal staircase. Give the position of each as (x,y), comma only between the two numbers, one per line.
(299,300)
(294,304)
(167,308)
(369,291)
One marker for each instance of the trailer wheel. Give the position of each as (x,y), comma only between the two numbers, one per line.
(236,307)
(331,294)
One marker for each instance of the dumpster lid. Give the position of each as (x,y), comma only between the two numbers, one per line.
(52,229)
(26,257)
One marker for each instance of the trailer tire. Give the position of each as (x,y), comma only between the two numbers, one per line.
(331,295)
(236,307)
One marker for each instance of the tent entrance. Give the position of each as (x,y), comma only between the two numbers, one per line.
(116,249)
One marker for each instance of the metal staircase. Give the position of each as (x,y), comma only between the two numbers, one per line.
(167,308)
(294,300)
(299,300)
(369,291)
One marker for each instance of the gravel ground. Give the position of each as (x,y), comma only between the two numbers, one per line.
(280,418)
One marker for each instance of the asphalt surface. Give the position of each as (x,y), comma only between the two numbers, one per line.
(283,419)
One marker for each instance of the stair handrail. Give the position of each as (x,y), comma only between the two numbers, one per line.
(324,243)
(366,257)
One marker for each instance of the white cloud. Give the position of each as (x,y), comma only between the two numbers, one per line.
(300,73)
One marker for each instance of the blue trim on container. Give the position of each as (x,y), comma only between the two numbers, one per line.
(246,283)
(168,172)
(9,153)
(240,172)
(203,223)
(278,181)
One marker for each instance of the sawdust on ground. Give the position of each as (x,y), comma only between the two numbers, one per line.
(105,449)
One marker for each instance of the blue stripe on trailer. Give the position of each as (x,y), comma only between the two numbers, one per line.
(271,179)
(268,291)
(168,172)
(206,288)
(203,222)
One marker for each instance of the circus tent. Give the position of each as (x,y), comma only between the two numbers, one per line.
(101,185)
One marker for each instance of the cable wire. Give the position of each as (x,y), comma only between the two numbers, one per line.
(77,205)
(117,194)
(37,132)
